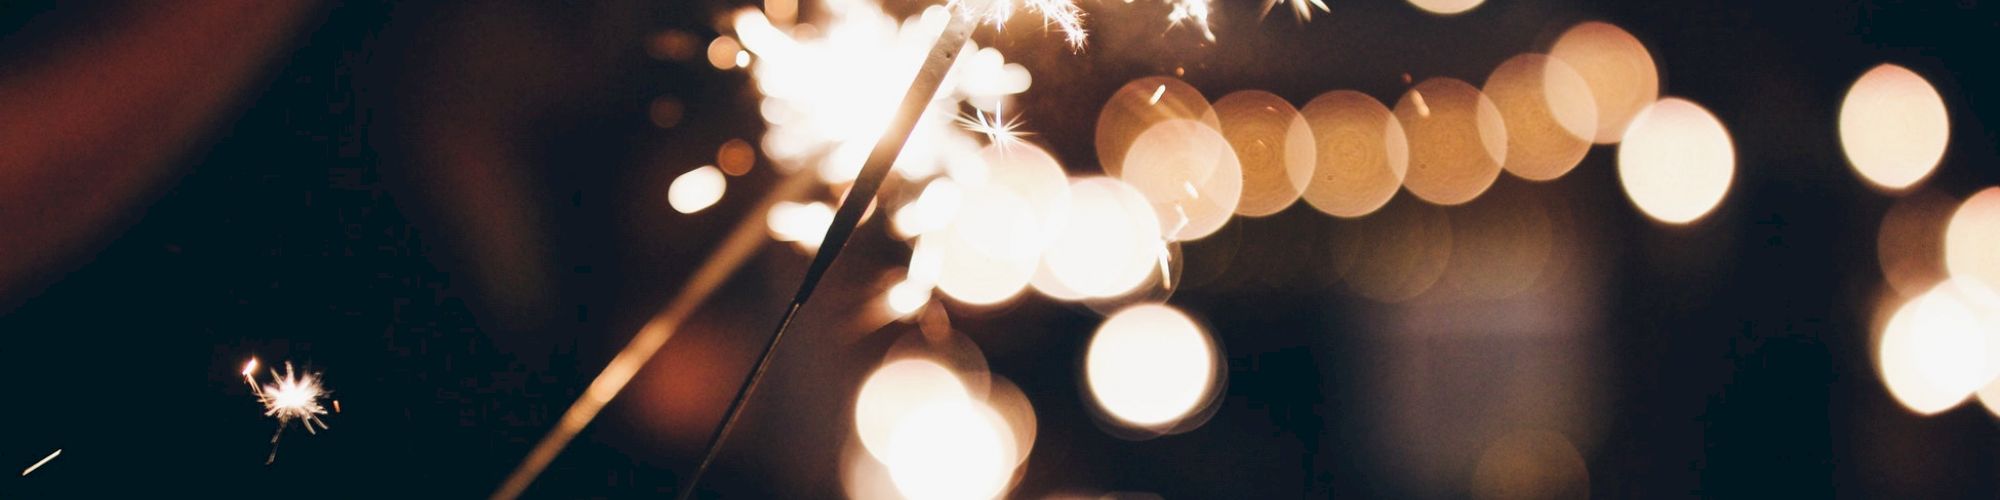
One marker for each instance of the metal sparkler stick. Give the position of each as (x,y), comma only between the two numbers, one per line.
(873,172)
(736,248)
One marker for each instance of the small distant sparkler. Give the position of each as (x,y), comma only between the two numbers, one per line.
(998,131)
(293,396)
(1064,15)
(44,460)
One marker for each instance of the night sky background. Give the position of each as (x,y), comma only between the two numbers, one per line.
(456,212)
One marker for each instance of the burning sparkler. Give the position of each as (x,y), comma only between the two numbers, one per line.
(1194,12)
(998,131)
(293,396)
(1063,15)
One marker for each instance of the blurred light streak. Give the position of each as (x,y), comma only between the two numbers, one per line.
(696,190)
(39,463)
(1893,127)
(736,248)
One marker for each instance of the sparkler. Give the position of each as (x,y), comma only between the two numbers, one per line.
(294,396)
(1063,15)
(998,131)
(1193,12)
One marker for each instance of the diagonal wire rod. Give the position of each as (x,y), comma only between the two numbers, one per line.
(922,89)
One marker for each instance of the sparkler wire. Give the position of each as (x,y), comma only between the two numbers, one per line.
(736,248)
(859,197)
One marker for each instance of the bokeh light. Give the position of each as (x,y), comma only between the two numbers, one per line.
(1893,126)
(801,223)
(1189,173)
(735,157)
(1941,347)
(1137,107)
(1275,146)
(1989,397)
(1457,140)
(951,449)
(1549,114)
(722,52)
(1972,238)
(665,111)
(906,297)
(1110,245)
(932,210)
(1531,464)
(1446,7)
(1397,254)
(1362,157)
(1910,245)
(1149,366)
(1500,244)
(897,389)
(990,248)
(695,190)
(1034,176)
(1676,162)
(1619,70)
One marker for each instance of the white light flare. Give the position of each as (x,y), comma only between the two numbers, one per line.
(291,396)
(1301,8)
(999,131)
(1191,12)
(696,190)
(1063,15)
(39,463)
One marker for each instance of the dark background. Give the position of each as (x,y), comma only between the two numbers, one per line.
(456,212)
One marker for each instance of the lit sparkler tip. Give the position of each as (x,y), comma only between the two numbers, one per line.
(999,131)
(1193,12)
(250,367)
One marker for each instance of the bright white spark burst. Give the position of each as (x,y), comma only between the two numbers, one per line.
(1301,8)
(1064,15)
(293,396)
(998,131)
(1194,12)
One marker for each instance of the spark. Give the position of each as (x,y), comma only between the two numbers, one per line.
(1063,15)
(38,465)
(249,377)
(1193,12)
(1300,8)
(998,131)
(1155,99)
(294,396)
(1417,98)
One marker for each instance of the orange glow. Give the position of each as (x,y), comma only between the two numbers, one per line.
(1941,347)
(1500,244)
(1549,115)
(1530,464)
(1676,162)
(1893,127)
(1189,173)
(1275,146)
(1362,157)
(1149,366)
(1618,69)
(1456,148)
(665,111)
(722,52)
(1137,107)
(1972,238)
(735,157)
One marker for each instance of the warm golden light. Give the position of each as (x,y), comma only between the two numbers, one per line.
(801,223)
(1189,173)
(722,52)
(1941,347)
(1619,70)
(1275,146)
(1446,7)
(695,190)
(1137,107)
(1111,243)
(991,247)
(1033,175)
(1456,148)
(1676,162)
(1910,245)
(1531,464)
(1362,157)
(951,449)
(931,211)
(1549,114)
(906,297)
(735,157)
(1972,238)
(1396,254)
(1500,244)
(1893,126)
(1149,366)
(1989,397)
(894,391)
